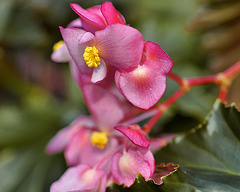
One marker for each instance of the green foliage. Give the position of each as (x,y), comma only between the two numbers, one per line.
(208,157)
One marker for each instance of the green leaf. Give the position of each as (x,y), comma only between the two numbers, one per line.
(209,156)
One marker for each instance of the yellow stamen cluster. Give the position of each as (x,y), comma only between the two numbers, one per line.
(91,57)
(99,139)
(58,45)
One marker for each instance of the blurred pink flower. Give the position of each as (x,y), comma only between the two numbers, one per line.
(88,139)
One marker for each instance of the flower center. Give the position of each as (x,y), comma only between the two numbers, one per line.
(91,57)
(58,45)
(99,139)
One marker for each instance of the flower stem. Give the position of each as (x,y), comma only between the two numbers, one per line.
(223,80)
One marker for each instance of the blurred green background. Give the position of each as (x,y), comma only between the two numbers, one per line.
(38,96)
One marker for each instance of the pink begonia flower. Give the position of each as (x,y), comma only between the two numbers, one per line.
(98,17)
(118,45)
(126,165)
(145,85)
(81,178)
(88,140)
(63,137)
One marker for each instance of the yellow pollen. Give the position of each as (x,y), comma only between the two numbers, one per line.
(99,139)
(58,45)
(91,57)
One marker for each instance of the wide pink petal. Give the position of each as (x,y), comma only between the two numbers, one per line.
(153,52)
(120,46)
(61,54)
(111,14)
(76,145)
(79,178)
(90,21)
(104,106)
(126,166)
(134,134)
(144,86)
(96,10)
(63,137)
(80,78)
(75,23)
(72,36)
(85,38)
(99,73)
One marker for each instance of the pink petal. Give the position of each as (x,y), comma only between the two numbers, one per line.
(144,86)
(104,106)
(135,134)
(78,142)
(153,52)
(72,36)
(78,178)
(147,154)
(80,150)
(96,10)
(75,23)
(99,73)
(61,55)
(111,14)
(91,155)
(80,78)
(120,46)
(126,166)
(75,72)
(85,38)
(90,21)
(62,138)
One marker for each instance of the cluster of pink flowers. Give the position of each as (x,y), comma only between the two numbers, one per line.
(118,73)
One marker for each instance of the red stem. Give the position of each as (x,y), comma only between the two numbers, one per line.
(202,80)
(233,71)
(175,77)
(222,95)
(222,79)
